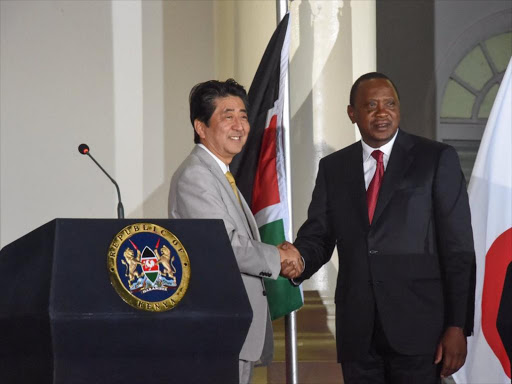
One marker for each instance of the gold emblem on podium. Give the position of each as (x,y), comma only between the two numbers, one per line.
(148,267)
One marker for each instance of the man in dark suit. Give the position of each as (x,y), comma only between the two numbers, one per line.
(400,219)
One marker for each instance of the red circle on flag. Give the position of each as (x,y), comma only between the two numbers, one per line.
(497,260)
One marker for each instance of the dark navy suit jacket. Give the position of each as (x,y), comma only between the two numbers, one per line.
(415,264)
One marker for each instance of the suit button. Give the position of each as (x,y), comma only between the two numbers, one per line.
(373,252)
(264,293)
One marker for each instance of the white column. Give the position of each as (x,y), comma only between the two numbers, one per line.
(333,43)
(364,41)
(154,179)
(242,32)
(128,119)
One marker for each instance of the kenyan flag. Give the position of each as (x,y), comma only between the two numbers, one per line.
(260,168)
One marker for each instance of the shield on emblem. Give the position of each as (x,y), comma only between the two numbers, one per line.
(150,264)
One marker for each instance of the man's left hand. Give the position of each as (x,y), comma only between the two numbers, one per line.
(451,350)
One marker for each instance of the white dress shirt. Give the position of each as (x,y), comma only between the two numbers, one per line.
(370,164)
(222,165)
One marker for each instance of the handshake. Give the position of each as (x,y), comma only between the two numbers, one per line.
(292,264)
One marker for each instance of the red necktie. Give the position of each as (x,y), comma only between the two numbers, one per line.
(373,189)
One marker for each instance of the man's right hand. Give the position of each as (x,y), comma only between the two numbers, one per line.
(292,265)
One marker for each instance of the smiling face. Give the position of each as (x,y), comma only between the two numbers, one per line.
(227,130)
(376,111)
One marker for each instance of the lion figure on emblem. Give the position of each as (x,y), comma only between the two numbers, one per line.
(166,261)
(131,264)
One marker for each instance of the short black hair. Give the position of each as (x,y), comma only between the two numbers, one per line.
(369,76)
(203,98)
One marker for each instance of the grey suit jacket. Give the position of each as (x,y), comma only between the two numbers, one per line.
(199,189)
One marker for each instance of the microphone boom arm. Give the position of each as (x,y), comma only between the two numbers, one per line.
(120,208)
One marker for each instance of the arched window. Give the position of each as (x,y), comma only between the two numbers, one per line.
(469,95)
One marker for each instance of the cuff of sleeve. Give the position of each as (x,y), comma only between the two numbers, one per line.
(294,282)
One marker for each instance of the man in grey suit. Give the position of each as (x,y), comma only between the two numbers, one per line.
(203,187)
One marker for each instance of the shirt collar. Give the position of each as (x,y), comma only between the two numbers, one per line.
(222,165)
(386,148)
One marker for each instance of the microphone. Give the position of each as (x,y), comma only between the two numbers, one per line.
(84,150)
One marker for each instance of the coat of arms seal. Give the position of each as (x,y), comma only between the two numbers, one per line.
(148,267)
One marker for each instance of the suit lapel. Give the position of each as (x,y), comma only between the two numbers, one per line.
(399,162)
(250,218)
(352,179)
(214,168)
(357,180)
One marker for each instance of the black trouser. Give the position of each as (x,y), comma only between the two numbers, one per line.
(383,365)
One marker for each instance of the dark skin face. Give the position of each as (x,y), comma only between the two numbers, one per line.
(376,111)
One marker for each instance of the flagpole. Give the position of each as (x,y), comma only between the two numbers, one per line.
(290,319)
